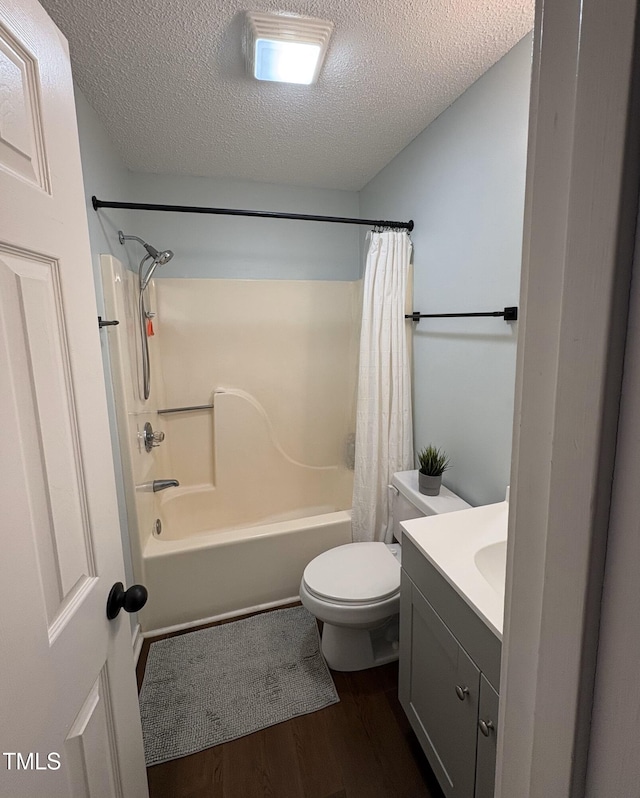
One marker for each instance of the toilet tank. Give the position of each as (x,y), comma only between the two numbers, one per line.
(409,503)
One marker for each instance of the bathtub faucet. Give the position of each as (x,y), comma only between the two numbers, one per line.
(163,484)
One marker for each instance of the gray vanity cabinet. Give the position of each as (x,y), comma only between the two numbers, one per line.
(440,692)
(448,659)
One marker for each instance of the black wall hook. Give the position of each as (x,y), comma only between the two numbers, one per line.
(104,323)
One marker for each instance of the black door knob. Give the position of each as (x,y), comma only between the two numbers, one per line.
(130,600)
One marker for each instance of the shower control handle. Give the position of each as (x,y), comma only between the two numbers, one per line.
(151,438)
(130,600)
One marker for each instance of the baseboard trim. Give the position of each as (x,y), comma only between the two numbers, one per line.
(179,627)
(137,639)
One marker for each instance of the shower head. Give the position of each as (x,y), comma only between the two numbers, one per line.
(164,257)
(159,259)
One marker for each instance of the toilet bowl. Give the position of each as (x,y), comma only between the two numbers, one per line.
(354,589)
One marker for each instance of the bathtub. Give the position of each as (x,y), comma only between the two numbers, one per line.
(195,573)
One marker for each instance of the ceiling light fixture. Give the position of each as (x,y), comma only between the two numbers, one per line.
(285,48)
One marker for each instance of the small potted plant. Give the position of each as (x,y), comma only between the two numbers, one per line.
(433,462)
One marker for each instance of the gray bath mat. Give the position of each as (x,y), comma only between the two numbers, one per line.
(214,685)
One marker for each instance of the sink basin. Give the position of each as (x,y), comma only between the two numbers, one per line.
(491,561)
(469,549)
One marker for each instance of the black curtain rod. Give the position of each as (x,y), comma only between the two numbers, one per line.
(509,314)
(146,206)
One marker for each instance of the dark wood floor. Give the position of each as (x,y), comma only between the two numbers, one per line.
(362,747)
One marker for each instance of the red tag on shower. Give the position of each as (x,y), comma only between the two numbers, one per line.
(150,328)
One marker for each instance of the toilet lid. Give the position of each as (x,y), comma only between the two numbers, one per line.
(355,572)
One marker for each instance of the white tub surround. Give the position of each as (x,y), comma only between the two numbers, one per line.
(289,346)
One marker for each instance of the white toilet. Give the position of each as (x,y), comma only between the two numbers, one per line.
(355,589)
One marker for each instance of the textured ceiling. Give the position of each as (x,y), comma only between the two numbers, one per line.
(167,79)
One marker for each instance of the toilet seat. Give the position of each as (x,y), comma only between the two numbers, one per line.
(354,574)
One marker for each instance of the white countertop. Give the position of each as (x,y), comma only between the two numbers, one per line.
(468,548)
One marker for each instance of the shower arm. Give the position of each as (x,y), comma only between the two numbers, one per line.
(159,258)
(122,238)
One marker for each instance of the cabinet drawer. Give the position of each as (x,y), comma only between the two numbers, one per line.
(476,638)
(432,666)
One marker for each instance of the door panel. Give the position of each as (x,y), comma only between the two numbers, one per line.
(39,371)
(71,725)
(88,747)
(21,136)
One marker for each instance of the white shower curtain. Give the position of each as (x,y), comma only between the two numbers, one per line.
(384,429)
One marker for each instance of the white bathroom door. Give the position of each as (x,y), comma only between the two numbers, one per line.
(69,719)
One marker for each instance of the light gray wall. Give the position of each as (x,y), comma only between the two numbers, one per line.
(104,174)
(242,247)
(462,182)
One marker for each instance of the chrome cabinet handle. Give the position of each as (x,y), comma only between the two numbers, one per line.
(462,692)
(486,726)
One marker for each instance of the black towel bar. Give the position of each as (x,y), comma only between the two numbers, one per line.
(509,314)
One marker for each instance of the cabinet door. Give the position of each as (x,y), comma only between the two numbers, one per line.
(487,737)
(432,666)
